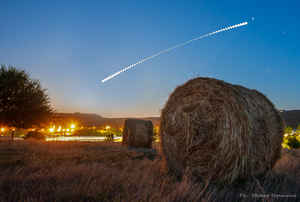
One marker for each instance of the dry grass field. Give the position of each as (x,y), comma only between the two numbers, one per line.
(82,171)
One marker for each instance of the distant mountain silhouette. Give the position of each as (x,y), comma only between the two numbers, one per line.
(89,120)
(291,117)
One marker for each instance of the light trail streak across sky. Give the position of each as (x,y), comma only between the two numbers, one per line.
(174,47)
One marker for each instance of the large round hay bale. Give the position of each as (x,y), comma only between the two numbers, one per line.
(138,133)
(219,131)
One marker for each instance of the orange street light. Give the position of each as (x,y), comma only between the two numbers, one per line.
(58,129)
(72,126)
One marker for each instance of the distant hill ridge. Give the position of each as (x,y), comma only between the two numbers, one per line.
(291,118)
(87,119)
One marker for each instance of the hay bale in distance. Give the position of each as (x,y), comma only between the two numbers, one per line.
(220,132)
(138,133)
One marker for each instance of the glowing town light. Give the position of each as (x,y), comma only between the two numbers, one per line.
(72,126)
(2,130)
(107,127)
(58,129)
(67,129)
(51,130)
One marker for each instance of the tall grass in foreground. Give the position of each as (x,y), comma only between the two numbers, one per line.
(76,171)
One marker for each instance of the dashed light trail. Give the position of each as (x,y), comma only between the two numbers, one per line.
(174,47)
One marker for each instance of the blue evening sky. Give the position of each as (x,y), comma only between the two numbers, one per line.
(70,46)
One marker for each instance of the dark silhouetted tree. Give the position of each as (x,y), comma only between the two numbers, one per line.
(23,103)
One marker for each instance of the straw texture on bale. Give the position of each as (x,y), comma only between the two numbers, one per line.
(138,133)
(220,132)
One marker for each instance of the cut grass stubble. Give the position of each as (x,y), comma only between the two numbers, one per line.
(76,171)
